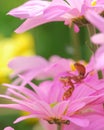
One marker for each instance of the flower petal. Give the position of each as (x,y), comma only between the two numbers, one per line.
(24,118)
(98,38)
(79,121)
(8,128)
(95,19)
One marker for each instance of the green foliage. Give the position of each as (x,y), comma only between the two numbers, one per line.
(8,23)
(7,120)
(58,39)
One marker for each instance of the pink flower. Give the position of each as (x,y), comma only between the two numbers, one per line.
(98,22)
(94,124)
(32,11)
(8,128)
(38,67)
(38,12)
(57,69)
(50,102)
(47,104)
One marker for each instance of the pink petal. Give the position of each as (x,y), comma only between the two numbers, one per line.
(60,108)
(55,11)
(79,121)
(72,126)
(8,128)
(24,118)
(43,107)
(73,107)
(23,90)
(21,64)
(34,22)
(29,9)
(99,63)
(24,105)
(48,126)
(95,19)
(76,28)
(75,4)
(95,120)
(13,106)
(98,38)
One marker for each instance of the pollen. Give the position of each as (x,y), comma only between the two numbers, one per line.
(53,104)
(58,121)
(93,3)
(72,67)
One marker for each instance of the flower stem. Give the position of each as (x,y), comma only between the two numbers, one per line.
(92,31)
(93,47)
(75,42)
(100,74)
(59,127)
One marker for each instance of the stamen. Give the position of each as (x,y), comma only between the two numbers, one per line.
(72,67)
(53,104)
(93,3)
(58,121)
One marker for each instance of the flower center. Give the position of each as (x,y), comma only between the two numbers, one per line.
(93,3)
(53,104)
(80,21)
(58,121)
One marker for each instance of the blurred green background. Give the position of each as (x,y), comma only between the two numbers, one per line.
(48,39)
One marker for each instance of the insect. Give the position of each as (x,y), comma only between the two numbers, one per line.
(67,82)
(68,93)
(81,73)
(71,80)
